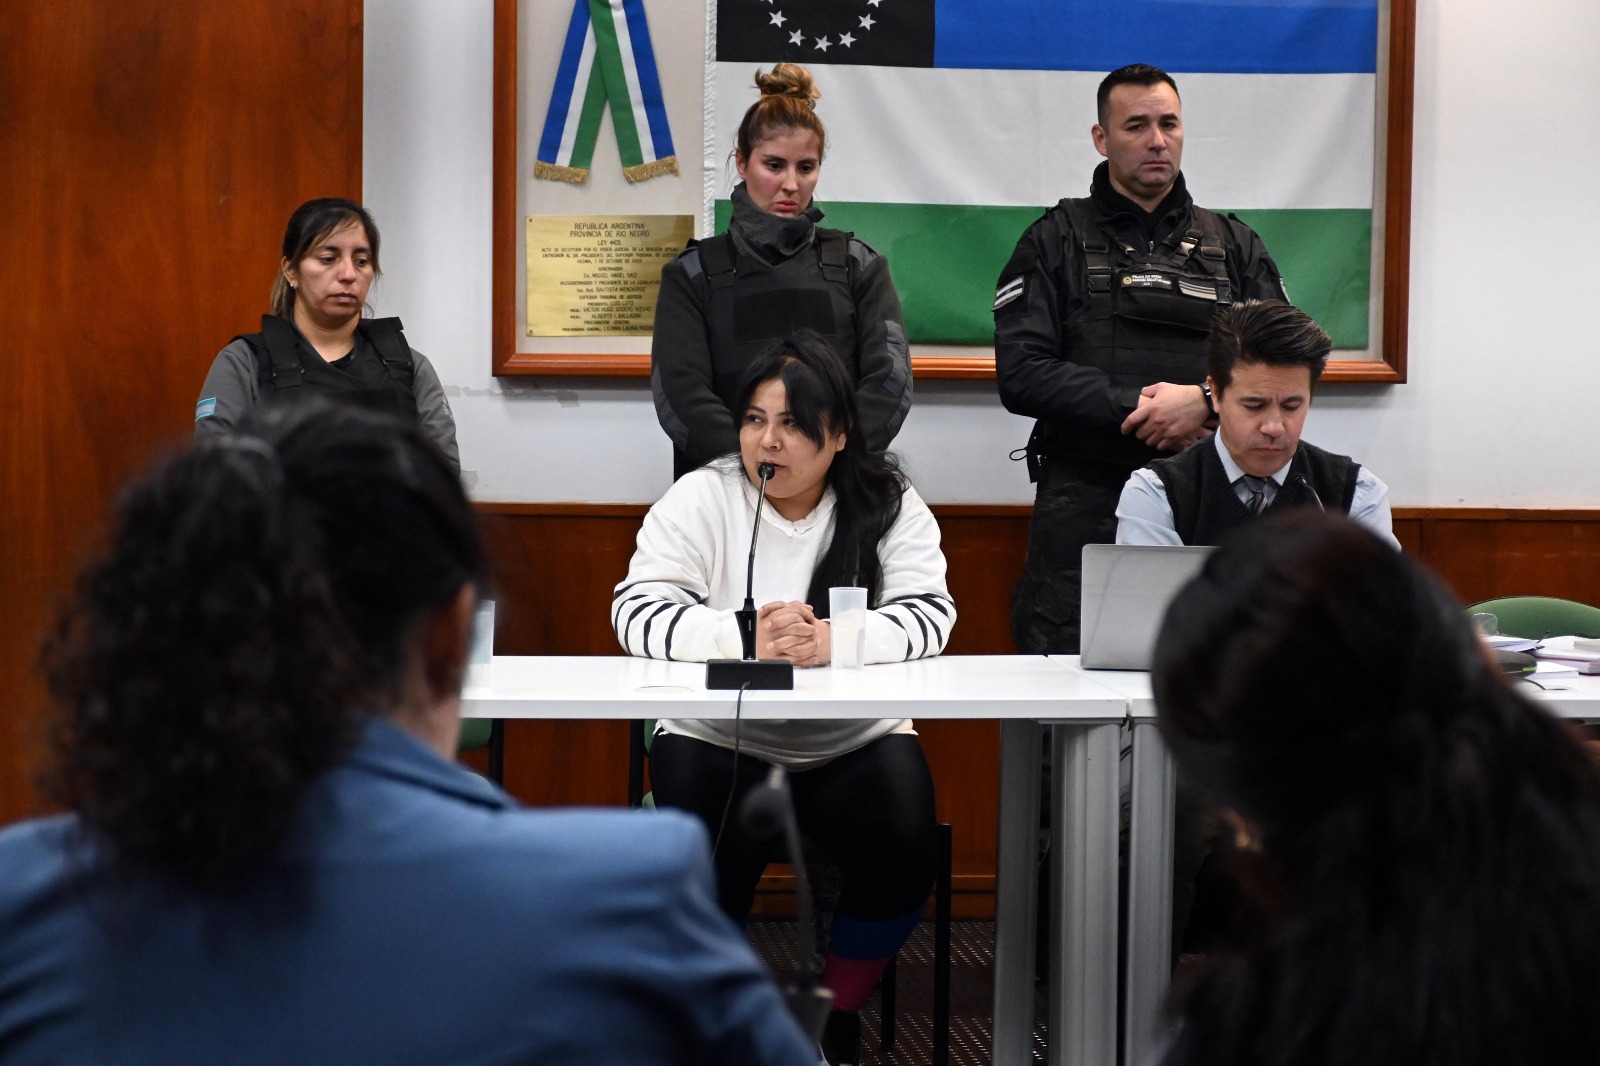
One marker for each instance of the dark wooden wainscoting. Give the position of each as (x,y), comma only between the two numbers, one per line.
(557,563)
(1483,552)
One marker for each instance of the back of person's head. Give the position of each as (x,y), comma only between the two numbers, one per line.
(1264,333)
(1429,842)
(1142,74)
(312,223)
(788,101)
(256,600)
(867,485)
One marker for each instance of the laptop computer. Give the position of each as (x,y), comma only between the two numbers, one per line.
(1126,589)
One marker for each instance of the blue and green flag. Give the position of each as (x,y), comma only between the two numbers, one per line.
(953,124)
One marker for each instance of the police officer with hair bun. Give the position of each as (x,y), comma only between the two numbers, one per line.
(1101,318)
(774,271)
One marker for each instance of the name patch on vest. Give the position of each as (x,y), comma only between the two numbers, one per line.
(1146,281)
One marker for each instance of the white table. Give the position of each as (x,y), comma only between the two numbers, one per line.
(1568,697)
(1084,718)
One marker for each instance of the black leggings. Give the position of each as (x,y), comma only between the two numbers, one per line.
(871,811)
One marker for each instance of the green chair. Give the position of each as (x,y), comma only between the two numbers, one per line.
(1536,617)
(485,733)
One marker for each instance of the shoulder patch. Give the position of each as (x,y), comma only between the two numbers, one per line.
(1017,286)
(205,408)
(689,259)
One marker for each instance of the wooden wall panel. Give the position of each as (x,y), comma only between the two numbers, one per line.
(555,567)
(984,547)
(1486,552)
(150,154)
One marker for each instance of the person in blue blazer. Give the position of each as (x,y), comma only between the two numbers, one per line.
(269,856)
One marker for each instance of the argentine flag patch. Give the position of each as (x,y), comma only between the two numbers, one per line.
(205,408)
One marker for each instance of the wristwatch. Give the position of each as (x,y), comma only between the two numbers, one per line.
(1211,408)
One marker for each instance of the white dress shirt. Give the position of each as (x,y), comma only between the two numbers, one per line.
(1144,514)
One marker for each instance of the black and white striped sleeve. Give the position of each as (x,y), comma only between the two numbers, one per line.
(659,610)
(914,613)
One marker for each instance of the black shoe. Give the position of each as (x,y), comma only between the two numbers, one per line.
(841,1038)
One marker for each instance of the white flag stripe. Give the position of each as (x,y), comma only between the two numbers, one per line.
(1260,141)
(580,87)
(630,73)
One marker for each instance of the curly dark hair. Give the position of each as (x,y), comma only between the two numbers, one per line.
(1429,839)
(867,485)
(252,605)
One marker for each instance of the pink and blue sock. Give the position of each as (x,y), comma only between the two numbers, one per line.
(858,953)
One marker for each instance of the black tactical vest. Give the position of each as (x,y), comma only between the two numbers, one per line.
(1205,506)
(753,303)
(1146,316)
(288,370)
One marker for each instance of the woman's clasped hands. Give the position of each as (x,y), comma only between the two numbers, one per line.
(791,630)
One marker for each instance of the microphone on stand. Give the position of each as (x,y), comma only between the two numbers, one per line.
(767,811)
(1306,482)
(750,672)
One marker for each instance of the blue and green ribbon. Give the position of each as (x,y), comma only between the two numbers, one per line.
(608,55)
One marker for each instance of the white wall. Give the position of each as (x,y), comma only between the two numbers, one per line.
(1504,383)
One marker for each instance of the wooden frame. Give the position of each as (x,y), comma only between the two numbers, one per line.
(1395,214)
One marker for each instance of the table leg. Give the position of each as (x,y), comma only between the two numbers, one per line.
(1084,881)
(1016,893)
(1149,944)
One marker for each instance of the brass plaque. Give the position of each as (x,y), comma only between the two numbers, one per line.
(599,275)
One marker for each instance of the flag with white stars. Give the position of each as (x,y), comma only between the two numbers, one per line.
(952,124)
(888,33)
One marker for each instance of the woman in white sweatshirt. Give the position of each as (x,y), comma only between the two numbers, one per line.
(837,514)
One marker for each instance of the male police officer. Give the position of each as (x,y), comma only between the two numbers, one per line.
(1101,319)
(1264,361)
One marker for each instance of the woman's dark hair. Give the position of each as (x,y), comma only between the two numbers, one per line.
(867,486)
(1431,838)
(254,602)
(312,223)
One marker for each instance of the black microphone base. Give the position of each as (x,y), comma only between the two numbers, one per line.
(754,673)
(810,1008)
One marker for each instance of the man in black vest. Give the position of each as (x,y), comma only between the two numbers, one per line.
(1263,362)
(1100,324)
(1264,359)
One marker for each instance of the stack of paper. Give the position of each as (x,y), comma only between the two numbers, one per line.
(1581,654)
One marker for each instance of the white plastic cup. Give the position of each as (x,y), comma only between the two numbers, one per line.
(847,614)
(480,647)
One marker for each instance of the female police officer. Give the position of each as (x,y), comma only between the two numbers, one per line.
(316,342)
(774,271)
